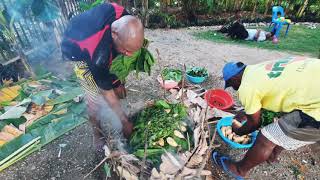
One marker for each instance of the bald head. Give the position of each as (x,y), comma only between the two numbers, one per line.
(127,34)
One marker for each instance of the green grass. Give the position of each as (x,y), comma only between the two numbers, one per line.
(300,40)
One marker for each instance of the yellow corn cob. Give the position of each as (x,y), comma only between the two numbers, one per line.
(12,130)
(6,136)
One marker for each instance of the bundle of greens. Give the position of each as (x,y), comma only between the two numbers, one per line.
(163,127)
(171,74)
(140,61)
(197,72)
(267,117)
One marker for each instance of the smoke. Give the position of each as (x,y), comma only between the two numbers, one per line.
(39,25)
(110,124)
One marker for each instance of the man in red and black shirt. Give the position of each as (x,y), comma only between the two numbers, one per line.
(92,40)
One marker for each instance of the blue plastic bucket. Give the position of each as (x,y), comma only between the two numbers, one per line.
(227,121)
(196,80)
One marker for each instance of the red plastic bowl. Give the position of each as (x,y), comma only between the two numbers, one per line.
(218,98)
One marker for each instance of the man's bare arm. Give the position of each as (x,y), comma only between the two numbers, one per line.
(252,124)
(114,103)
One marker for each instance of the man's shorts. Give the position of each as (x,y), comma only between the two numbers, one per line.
(293,130)
(86,80)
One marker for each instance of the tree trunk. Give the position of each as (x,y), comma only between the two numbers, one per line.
(266,7)
(301,10)
(254,10)
(236,5)
(24,60)
(189,7)
(145,15)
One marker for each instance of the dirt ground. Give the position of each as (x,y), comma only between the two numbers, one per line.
(177,47)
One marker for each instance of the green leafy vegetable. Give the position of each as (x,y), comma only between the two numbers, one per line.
(267,117)
(197,72)
(160,121)
(141,61)
(171,74)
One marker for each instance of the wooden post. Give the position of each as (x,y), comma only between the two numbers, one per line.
(24,60)
(145,14)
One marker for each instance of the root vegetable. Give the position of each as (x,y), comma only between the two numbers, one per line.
(183,123)
(236,123)
(178,134)
(172,142)
(246,140)
(223,129)
(230,136)
(182,128)
(238,139)
(161,142)
(228,131)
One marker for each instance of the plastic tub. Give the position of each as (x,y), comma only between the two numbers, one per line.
(168,84)
(196,80)
(219,98)
(227,121)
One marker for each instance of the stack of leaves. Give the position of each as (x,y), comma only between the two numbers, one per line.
(140,61)
(171,74)
(35,112)
(163,127)
(197,72)
(84,6)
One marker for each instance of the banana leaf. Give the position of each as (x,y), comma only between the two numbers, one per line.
(47,118)
(15,122)
(47,133)
(13,155)
(40,97)
(30,149)
(13,112)
(66,97)
(14,145)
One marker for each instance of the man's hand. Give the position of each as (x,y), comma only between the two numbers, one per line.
(120,92)
(252,124)
(127,128)
(240,116)
(236,125)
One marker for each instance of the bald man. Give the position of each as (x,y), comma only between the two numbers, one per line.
(92,40)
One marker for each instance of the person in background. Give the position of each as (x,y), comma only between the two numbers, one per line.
(238,31)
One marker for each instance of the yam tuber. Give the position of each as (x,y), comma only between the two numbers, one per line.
(227,132)
(172,142)
(223,129)
(161,142)
(178,134)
